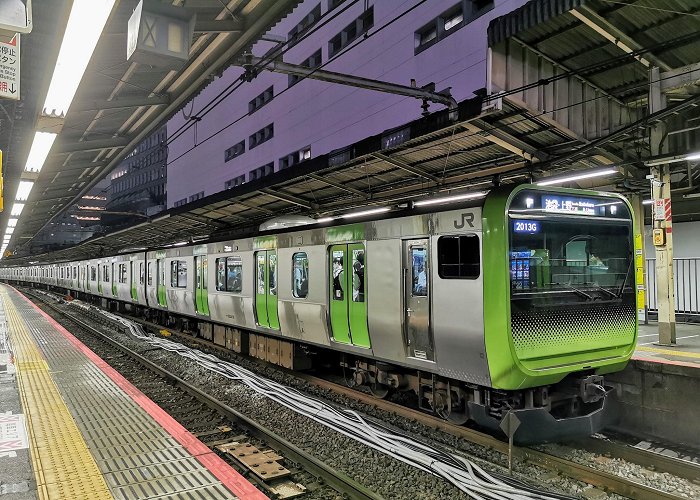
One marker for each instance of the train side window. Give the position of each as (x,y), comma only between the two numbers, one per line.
(272,280)
(419,271)
(93,273)
(358,275)
(141,273)
(122,273)
(105,273)
(150,274)
(178,274)
(300,275)
(221,274)
(234,274)
(458,257)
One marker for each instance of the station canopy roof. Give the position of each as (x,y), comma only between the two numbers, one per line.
(496,140)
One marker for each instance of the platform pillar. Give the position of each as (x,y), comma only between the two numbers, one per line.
(662,218)
(640,277)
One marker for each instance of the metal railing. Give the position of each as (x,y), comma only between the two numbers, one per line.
(686,282)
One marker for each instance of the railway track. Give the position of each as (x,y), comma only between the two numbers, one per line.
(601,479)
(219,425)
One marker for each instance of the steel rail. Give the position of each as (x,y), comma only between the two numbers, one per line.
(598,478)
(335,479)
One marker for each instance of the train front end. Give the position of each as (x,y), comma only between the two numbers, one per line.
(559,306)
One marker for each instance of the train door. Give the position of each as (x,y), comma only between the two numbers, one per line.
(266,289)
(132,280)
(160,282)
(416,291)
(348,291)
(201,299)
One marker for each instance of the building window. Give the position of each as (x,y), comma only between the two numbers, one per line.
(458,257)
(261,172)
(295,157)
(236,181)
(313,61)
(229,274)
(233,151)
(196,197)
(450,21)
(350,33)
(178,274)
(262,135)
(305,24)
(332,4)
(261,100)
(300,275)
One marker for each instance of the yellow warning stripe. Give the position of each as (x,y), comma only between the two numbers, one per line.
(63,465)
(670,352)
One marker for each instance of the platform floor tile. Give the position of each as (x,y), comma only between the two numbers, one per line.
(102,435)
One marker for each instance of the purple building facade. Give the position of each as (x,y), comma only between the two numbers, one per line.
(249,135)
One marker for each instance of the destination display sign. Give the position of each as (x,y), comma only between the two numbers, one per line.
(526,226)
(571,205)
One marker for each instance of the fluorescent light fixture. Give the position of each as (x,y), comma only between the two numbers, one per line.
(693,156)
(25,187)
(691,195)
(371,211)
(576,177)
(17,209)
(40,150)
(647,202)
(449,199)
(92,208)
(9,230)
(85,24)
(11,222)
(323,220)
(529,202)
(179,244)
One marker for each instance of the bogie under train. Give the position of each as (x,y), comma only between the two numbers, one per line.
(520,301)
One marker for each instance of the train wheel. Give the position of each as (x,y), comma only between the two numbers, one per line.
(379,391)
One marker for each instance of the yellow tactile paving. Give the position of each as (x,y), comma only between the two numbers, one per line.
(670,352)
(63,465)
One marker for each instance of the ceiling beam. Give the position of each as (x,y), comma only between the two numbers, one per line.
(407,167)
(216,26)
(616,36)
(338,185)
(96,145)
(505,140)
(294,200)
(122,103)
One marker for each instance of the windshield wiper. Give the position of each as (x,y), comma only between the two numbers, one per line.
(578,291)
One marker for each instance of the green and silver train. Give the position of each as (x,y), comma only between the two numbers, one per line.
(518,301)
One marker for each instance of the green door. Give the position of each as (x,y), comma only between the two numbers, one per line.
(348,295)
(201,266)
(160,279)
(266,289)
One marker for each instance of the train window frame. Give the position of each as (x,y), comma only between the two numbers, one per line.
(471,264)
(299,292)
(178,270)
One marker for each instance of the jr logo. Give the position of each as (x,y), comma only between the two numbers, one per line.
(467,218)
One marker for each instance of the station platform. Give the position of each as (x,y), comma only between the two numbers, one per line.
(90,433)
(685,352)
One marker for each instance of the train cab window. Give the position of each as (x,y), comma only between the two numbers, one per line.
(358,275)
(150,274)
(300,275)
(178,274)
(458,257)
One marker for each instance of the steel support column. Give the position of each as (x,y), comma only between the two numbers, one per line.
(640,278)
(662,218)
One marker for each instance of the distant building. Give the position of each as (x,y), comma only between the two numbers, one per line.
(138,184)
(276,121)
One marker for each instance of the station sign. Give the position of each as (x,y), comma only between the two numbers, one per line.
(9,68)
(15,17)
